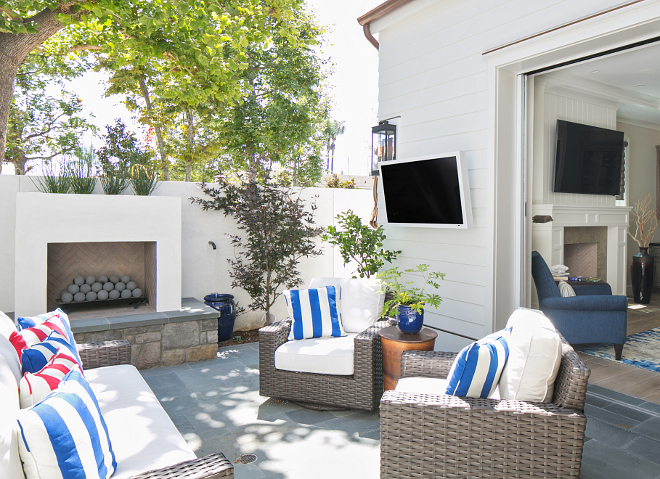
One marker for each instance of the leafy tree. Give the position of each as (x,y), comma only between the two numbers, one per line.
(199,42)
(278,232)
(331,130)
(122,151)
(279,118)
(360,243)
(42,127)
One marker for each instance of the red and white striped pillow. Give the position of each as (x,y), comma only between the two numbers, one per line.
(35,387)
(34,335)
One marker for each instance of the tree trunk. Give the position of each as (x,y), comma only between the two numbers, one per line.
(19,165)
(164,164)
(191,139)
(14,48)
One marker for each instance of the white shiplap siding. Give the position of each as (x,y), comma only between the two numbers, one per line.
(432,75)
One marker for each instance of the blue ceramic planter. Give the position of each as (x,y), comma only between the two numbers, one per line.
(224,303)
(408,320)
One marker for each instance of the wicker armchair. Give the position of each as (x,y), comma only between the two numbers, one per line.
(446,436)
(362,390)
(213,466)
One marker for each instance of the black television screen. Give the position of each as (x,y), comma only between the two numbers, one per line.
(428,191)
(588,159)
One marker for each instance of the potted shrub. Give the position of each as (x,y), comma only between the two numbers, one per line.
(408,300)
(359,243)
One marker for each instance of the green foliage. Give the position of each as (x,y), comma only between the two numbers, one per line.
(55,179)
(331,130)
(113,185)
(81,180)
(335,182)
(277,232)
(122,151)
(41,127)
(359,243)
(404,293)
(143,180)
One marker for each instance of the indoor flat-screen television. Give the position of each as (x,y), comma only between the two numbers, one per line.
(431,191)
(588,159)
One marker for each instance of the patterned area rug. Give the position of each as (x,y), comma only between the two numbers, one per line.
(641,350)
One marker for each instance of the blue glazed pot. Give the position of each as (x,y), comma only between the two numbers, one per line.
(408,320)
(224,303)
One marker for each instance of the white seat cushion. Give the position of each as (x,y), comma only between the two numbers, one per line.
(318,355)
(361,304)
(142,434)
(10,374)
(534,357)
(429,386)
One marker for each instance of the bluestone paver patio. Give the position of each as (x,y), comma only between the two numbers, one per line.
(216,406)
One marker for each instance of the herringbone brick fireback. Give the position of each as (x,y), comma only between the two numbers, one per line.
(68,260)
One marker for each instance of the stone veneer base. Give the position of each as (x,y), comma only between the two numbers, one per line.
(158,339)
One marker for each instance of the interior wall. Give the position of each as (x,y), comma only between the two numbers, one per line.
(552,105)
(642,158)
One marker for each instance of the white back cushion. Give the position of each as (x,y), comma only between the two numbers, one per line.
(10,374)
(361,304)
(534,357)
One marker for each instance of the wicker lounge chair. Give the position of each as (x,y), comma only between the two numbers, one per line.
(362,390)
(446,436)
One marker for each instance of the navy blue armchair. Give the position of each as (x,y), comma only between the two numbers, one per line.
(592,316)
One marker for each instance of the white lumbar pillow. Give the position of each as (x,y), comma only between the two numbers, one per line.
(361,304)
(534,357)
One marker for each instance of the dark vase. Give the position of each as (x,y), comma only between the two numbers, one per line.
(224,303)
(642,276)
(408,320)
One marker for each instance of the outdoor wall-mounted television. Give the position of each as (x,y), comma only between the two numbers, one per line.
(431,191)
(588,159)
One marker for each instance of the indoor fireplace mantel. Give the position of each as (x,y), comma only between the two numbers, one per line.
(548,238)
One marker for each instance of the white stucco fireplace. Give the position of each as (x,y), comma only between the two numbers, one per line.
(548,238)
(46,220)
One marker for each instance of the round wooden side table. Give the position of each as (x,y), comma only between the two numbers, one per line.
(394,344)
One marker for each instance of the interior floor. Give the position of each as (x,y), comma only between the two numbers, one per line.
(633,381)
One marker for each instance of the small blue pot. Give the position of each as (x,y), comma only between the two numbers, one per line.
(408,320)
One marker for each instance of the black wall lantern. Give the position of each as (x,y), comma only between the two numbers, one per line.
(383,143)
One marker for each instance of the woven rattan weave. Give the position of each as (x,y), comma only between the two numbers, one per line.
(362,390)
(213,466)
(446,436)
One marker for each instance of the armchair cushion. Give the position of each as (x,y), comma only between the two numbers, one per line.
(361,304)
(318,355)
(534,357)
(477,368)
(316,312)
(429,386)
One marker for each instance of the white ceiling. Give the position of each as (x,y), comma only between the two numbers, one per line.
(630,78)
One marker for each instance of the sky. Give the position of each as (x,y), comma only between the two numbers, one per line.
(353,86)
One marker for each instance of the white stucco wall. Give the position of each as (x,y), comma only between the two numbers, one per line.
(446,95)
(202,269)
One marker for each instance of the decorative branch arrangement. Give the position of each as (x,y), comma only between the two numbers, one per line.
(645,221)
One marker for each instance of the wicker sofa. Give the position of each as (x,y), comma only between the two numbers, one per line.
(424,435)
(145,441)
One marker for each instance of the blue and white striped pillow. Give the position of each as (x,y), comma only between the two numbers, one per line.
(64,436)
(316,313)
(36,357)
(478,367)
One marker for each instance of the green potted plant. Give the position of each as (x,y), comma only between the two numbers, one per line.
(359,243)
(408,300)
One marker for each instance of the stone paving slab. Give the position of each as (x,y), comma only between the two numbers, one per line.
(217,408)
